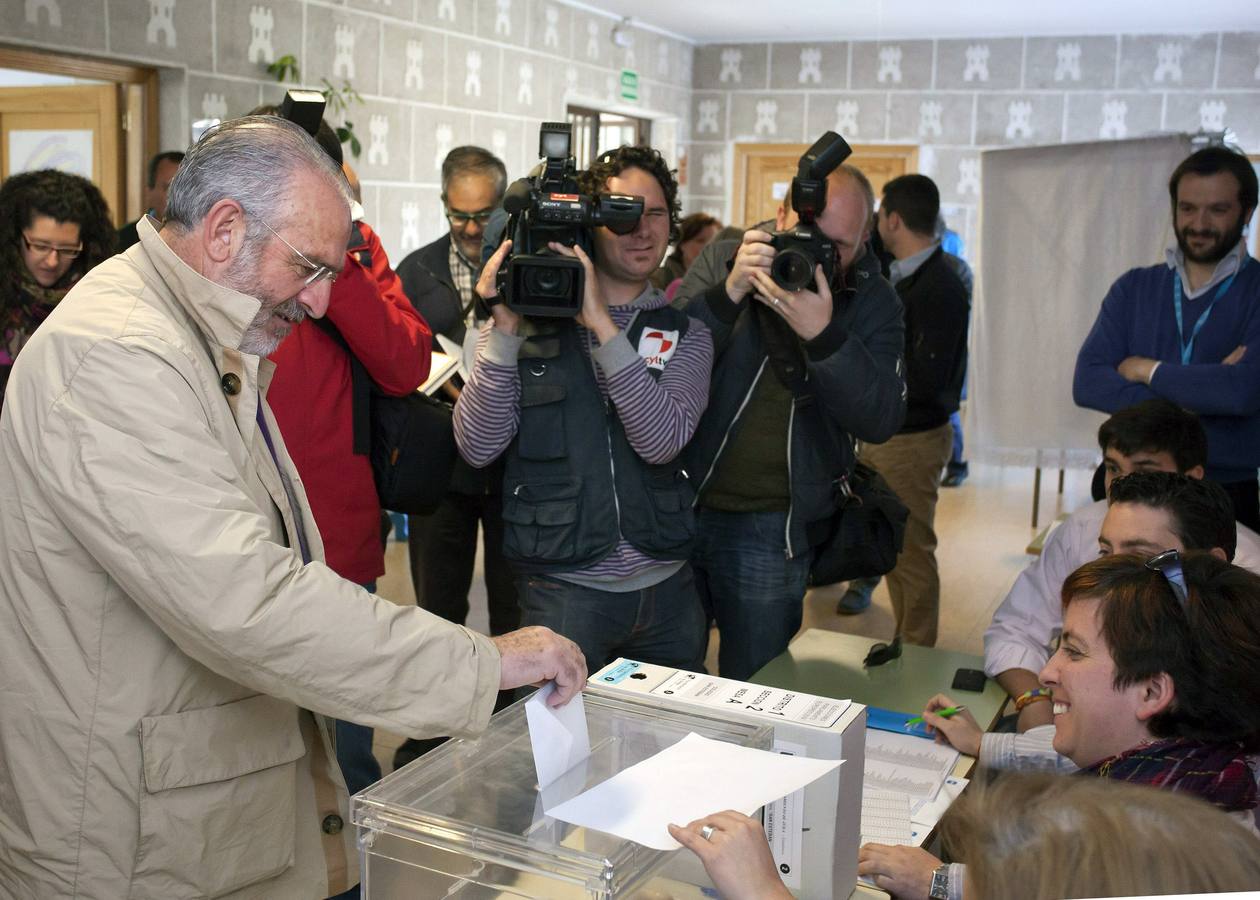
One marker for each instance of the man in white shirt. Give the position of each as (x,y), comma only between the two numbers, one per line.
(1154,435)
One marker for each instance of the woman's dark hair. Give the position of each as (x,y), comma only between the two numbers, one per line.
(614,162)
(60,196)
(1211,647)
(693,224)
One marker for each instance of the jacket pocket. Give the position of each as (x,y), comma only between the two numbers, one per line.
(540,519)
(217,806)
(672,498)
(540,435)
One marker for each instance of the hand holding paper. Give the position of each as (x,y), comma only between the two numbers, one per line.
(557,734)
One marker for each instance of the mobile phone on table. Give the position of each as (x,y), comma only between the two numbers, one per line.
(968,680)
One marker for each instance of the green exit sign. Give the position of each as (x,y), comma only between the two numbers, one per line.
(629,85)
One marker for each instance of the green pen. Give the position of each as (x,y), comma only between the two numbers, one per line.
(943,713)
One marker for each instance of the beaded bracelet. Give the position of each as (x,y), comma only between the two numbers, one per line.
(1031,697)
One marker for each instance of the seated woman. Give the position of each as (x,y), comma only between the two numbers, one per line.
(1156,681)
(1036,836)
(56,227)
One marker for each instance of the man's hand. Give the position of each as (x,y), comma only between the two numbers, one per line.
(487,288)
(535,655)
(735,855)
(754,255)
(1235,356)
(961,730)
(905,872)
(594,316)
(807,312)
(1137,369)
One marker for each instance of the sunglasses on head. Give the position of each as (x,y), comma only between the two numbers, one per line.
(1168,564)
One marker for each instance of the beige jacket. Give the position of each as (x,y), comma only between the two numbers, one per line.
(160,643)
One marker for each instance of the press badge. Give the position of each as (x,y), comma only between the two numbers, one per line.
(656,347)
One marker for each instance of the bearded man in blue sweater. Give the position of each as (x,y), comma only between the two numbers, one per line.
(1189,330)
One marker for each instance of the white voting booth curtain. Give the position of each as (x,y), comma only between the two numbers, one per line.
(1057,226)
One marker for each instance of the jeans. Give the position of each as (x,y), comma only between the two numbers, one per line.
(754,591)
(661,624)
(956,462)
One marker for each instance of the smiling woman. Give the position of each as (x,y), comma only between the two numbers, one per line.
(1156,682)
(54,227)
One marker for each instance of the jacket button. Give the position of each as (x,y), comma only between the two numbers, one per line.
(231,384)
(332,824)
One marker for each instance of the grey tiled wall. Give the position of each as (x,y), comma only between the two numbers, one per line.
(437,73)
(433,74)
(955,98)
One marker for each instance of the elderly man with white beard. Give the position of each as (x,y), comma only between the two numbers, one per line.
(170,639)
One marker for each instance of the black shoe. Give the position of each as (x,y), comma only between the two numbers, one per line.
(954,476)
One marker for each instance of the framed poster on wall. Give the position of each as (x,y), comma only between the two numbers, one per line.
(69,150)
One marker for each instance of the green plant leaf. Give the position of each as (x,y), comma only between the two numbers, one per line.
(285,68)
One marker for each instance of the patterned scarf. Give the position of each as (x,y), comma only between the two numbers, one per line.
(1217,772)
(22,314)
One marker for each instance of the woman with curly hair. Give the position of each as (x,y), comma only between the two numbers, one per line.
(54,227)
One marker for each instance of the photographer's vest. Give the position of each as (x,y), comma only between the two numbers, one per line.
(573,486)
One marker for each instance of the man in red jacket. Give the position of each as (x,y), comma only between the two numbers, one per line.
(311,397)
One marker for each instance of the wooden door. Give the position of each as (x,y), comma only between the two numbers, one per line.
(76,128)
(764,172)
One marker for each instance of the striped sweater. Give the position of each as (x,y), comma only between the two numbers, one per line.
(659,414)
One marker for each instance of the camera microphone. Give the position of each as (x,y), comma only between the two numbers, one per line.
(516,198)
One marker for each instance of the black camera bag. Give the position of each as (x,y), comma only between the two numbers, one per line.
(863,537)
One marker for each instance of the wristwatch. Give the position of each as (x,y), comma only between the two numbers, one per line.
(940,883)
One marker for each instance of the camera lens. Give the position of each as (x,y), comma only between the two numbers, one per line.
(792,270)
(546,282)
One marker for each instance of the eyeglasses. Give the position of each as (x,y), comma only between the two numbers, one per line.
(1168,564)
(318,274)
(43,248)
(457,218)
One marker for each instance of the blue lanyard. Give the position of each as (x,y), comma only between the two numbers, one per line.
(1188,348)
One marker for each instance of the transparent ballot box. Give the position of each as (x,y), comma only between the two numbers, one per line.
(466,821)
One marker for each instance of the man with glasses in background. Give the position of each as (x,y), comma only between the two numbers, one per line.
(439,279)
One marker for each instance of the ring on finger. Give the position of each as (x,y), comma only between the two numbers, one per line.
(776,301)
(707,832)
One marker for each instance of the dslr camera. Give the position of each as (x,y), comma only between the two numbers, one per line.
(800,248)
(547,206)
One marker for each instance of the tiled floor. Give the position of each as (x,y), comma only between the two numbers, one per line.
(983,527)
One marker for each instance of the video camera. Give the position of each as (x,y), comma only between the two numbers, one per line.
(802,247)
(548,206)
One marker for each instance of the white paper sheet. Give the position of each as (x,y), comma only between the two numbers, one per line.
(458,352)
(926,813)
(906,763)
(558,735)
(693,778)
(441,368)
(885,817)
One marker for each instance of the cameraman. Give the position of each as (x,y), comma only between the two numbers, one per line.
(610,399)
(800,376)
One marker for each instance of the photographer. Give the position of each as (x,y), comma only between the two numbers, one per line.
(800,375)
(590,414)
